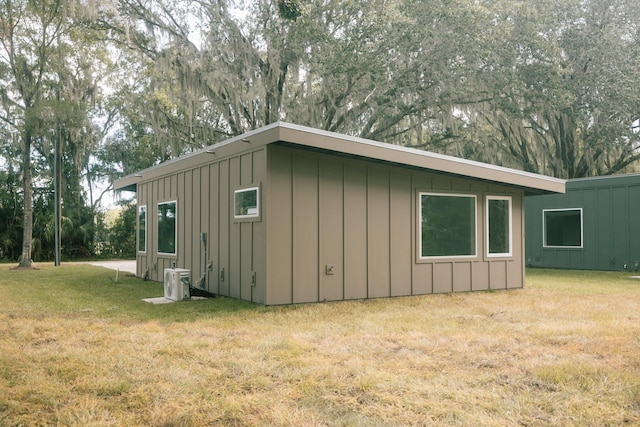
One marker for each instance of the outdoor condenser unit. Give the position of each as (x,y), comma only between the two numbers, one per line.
(176,284)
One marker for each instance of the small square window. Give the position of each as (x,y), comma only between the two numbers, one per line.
(562,228)
(246,203)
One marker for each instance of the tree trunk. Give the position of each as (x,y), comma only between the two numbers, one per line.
(27,233)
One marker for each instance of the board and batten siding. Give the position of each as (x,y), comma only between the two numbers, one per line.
(204,195)
(340,228)
(610,233)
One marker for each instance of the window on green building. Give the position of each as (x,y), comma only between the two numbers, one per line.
(562,228)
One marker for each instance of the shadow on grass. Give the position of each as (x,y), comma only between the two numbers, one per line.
(84,290)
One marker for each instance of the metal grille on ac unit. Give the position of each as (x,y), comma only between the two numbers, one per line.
(176,284)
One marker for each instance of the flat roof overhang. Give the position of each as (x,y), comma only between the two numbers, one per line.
(315,139)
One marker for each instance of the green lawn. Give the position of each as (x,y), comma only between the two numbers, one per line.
(77,348)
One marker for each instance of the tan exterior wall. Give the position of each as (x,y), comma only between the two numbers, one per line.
(341,228)
(331,228)
(204,195)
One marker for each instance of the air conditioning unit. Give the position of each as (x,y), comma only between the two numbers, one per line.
(176,284)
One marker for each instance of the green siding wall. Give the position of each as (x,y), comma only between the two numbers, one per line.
(611,225)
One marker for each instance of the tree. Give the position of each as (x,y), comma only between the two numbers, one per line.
(559,86)
(47,85)
(27,34)
(376,69)
(10,211)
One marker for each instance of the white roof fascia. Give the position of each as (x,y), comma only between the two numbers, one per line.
(331,141)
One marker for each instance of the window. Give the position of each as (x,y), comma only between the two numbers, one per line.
(562,228)
(142,229)
(447,225)
(167,227)
(246,203)
(498,226)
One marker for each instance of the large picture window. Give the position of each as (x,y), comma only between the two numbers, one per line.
(562,228)
(447,225)
(167,226)
(142,229)
(246,203)
(498,226)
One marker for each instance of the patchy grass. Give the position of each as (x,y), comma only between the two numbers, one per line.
(78,349)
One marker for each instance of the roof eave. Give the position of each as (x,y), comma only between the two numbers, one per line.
(359,147)
(530,182)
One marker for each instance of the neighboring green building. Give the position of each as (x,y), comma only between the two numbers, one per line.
(595,225)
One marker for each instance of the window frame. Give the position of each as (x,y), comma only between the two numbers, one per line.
(247,217)
(423,258)
(146,224)
(544,228)
(175,229)
(509,200)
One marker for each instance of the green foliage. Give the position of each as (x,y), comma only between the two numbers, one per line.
(77,229)
(557,103)
(10,208)
(122,235)
(289,9)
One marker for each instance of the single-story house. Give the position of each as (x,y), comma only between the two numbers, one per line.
(289,214)
(593,226)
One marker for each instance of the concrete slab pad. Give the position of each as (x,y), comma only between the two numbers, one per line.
(158,300)
(163,300)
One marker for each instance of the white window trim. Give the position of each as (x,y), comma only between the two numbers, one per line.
(244,190)
(146,228)
(175,230)
(502,254)
(475,220)
(544,229)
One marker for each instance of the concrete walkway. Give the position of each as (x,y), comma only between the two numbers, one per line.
(125,266)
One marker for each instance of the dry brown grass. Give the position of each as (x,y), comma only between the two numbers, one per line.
(563,351)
